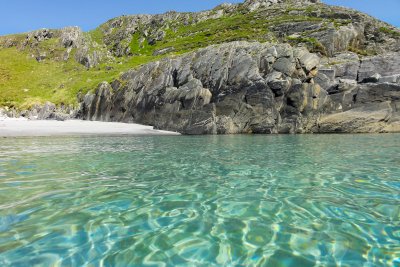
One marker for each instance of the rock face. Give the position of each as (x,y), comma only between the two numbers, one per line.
(253,5)
(47,111)
(245,87)
(71,37)
(74,38)
(65,41)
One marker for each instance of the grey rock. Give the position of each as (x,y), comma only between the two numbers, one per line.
(156,37)
(390,79)
(252,5)
(347,70)
(41,35)
(372,79)
(384,65)
(309,61)
(324,81)
(295,29)
(163,51)
(341,85)
(278,83)
(71,37)
(346,85)
(338,40)
(87,58)
(87,52)
(285,65)
(3,113)
(373,93)
(369,118)
(47,111)
(329,73)
(61,116)
(245,87)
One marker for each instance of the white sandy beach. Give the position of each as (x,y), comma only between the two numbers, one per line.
(10,127)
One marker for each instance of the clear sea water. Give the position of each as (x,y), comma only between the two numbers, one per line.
(310,200)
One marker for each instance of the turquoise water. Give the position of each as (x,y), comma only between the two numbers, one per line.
(313,200)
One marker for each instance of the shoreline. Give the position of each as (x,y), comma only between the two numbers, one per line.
(23,127)
(20,127)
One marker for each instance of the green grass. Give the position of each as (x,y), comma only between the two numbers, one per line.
(213,31)
(140,48)
(312,44)
(97,35)
(25,82)
(361,52)
(393,33)
(239,27)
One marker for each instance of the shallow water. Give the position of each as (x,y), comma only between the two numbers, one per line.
(311,200)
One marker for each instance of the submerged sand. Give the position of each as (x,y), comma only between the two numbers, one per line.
(24,128)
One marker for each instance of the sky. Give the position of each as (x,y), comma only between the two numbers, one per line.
(27,15)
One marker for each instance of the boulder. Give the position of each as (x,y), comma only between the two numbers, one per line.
(309,62)
(345,65)
(40,35)
(382,65)
(329,73)
(324,81)
(163,51)
(372,79)
(285,65)
(278,83)
(371,118)
(71,37)
(390,79)
(47,111)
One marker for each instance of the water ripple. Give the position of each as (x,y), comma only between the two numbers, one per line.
(200,201)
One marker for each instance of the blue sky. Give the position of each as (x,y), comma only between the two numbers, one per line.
(26,15)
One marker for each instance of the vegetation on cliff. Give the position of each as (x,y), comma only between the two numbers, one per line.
(57,65)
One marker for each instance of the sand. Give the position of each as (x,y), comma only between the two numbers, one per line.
(10,127)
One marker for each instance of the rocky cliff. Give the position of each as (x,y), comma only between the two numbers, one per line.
(262,66)
(243,87)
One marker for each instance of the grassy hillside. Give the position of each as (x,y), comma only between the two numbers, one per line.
(127,42)
(24,81)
